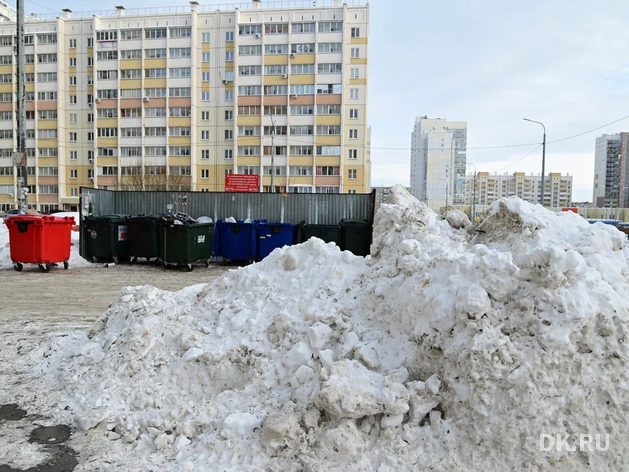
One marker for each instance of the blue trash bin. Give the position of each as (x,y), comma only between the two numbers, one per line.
(235,241)
(270,236)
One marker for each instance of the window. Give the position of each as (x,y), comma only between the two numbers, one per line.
(330,68)
(205,115)
(178,72)
(30,114)
(353,153)
(28,59)
(73,155)
(74,173)
(155,92)
(229,134)
(74,192)
(275,110)
(107,94)
(355,33)
(229,75)
(229,56)
(130,133)
(73,137)
(303,28)
(131,93)
(301,151)
(155,112)
(48,189)
(277,170)
(90,174)
(275,89)
(47,38)
(7,115)
(300,170)
(107,170)
(6,41)
(6,78)
(51,115)
(270,70)
(131,151)
(205,37)
(155,131)
(6,134)
(330,48)
(248,110)
(29,78)
(353,94)
(205,154)
(131,54)
(184,33)
(229,36)
(276,49)
(355,53)
(6,171)
(249,30)
(276,28)
(106,56)
(205,173)
(351,191)
(251,70)
(302,68)
(107,132)
(301,130)
(302,109)
(49,171)
(302,89)
(329,89)
(205,57)
(248,150)
(108,74)
(229,95)
(205,135)
(47,134)
(29,39)
(304,48)
(179,131)
(30,134)
(328,109)
(48,58)
(48,152)
(329,130)
(155,151)
(72,81)
(90,42)
(205,76)
(244,90)
(180,111)
(248,131)
(127,35)
(6,60)
(130,171)
(205,96)
(353,113)
(179,151)
(229,115)
(179,92)
(246,50)
(90,61)
(155,170)
(328,170)
(249,170)
(156,54)
(353,134)
(176,53)
(90,136)
(155,33)
(275,130)
(108,35)
(330,26)
(351,174)
(229,153)
(353,73)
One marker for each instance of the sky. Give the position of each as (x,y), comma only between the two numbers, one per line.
(490,63)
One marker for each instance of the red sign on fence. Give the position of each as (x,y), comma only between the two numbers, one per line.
(242,183)
(573,210)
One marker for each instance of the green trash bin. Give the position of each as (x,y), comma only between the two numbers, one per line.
(105,238)
(356,236)
(185,244)
(328,233)
(143,238)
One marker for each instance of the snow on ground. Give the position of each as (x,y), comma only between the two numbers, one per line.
(75,258)
(445,350)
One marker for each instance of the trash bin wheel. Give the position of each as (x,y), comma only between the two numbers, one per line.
(189,267)
(44,267)
(18,266)
(66,265)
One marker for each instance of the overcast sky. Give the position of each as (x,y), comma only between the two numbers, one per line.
(491,63)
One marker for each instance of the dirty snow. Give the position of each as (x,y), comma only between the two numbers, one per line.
(448,349)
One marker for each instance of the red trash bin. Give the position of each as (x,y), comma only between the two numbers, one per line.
(42,240)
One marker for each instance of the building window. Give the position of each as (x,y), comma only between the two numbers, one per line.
(74,192)
(205,154)
(303,28)
(229,36)
(73,173)
(205,37)
(250,30)
(355,32)
(351,174)
(73,137)
(229,56)
(205,116)
(229,94)
(355,53)
(205,135)
(205,173)
(353,73)
(205,76)
(353,113)
(229,153)
(353,153)
(229,134)
(73,155)
(353,134)
(72,81)
(72,118)
(205,96)
(229,115)
(353,94)
(73,44)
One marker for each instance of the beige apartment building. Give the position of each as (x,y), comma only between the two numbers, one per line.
(492,187)
(176,98)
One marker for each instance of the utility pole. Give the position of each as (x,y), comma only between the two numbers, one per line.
(272,153)
(541,198)
(474,201)
(20,155)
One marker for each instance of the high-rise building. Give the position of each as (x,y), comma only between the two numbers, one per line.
(438,160)
(492,187)
(609,169)
(177,98)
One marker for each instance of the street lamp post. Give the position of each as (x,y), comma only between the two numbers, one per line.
(541,198)
(473,201)
(444,180)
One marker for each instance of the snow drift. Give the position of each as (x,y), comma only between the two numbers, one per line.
(451,348)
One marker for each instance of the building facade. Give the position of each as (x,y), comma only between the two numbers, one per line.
(382,193)
(438,160)
(492,187)
(607,171)
(176,100)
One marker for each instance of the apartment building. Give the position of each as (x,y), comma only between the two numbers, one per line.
(611,171)
(492,187)
(382,193)
(175,100)
(438,160)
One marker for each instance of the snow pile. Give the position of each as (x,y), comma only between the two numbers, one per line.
(447,350)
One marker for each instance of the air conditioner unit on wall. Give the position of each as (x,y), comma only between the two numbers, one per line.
(258,35)
(292,54)
(146,99)
(90,104)
(284,76)
(225,81)
(293,95)
(97,100)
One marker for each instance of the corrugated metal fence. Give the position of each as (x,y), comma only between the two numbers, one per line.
(313,208)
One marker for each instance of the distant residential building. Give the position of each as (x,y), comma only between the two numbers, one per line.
(438,159)
(607,170)
(492,187)
(382,193)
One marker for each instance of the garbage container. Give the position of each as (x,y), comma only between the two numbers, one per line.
(183,244)
(329,233)
(270,236)
(143,237)
(356,236)
(235,241)
(105,238)
(42,240)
